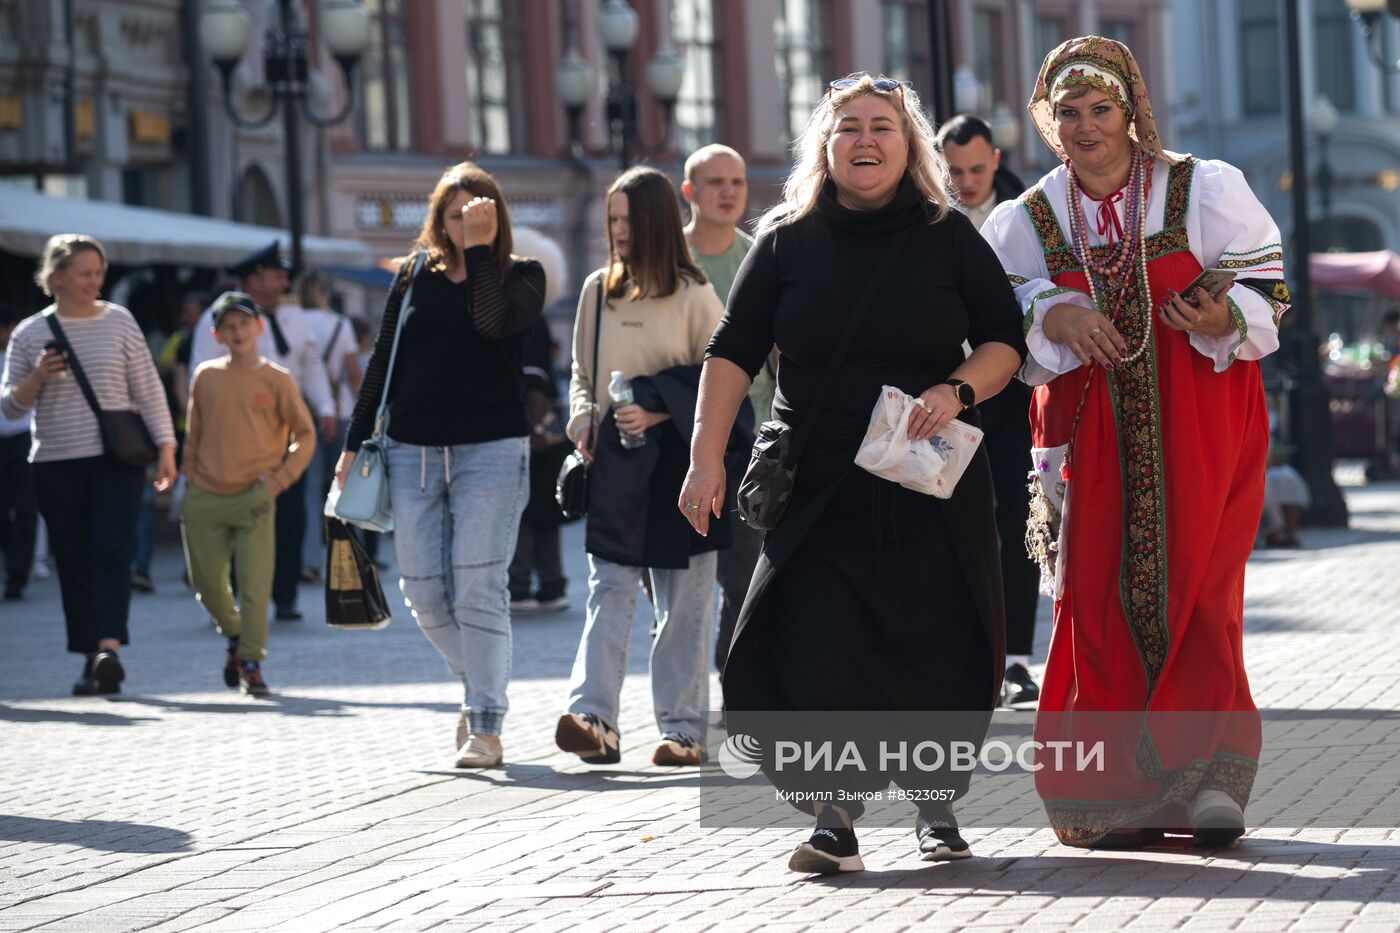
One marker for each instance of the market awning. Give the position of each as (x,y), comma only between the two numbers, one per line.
(138,236)
(1366,272)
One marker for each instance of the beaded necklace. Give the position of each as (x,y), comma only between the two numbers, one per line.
(1111,275)
(1121,259)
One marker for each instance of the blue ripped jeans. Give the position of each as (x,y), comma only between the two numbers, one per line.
(456,514)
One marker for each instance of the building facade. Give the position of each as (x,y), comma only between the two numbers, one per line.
(94,98)
(454,79)
(1231,103)
(447,80)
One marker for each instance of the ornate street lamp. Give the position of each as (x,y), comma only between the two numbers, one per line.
(1006,130)
(225,27)
(1324,120)
(1368,14)
(574,84)
(1310,425)
(617,26)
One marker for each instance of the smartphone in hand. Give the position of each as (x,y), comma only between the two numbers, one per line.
(1216,282)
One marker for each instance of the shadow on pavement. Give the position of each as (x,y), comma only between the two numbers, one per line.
(17,714)
(99,835)
(1323,539)
(1113,875)
(549,778)
(277,703)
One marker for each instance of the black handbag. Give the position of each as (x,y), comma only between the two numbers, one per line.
(124,434)
(766,488)
(571,488)
(354,598)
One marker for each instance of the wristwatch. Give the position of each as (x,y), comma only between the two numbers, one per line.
(967,396)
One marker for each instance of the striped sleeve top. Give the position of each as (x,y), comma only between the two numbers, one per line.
(117,362)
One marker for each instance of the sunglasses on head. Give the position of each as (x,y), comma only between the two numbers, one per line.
(888,85)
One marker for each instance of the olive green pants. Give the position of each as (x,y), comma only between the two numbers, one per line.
(238,528)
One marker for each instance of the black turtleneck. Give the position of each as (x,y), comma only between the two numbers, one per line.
(801,280)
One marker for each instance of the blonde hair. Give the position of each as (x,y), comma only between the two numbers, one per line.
(58,254)
(704,154)
(810,171)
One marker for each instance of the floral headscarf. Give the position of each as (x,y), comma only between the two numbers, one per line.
(1108,66)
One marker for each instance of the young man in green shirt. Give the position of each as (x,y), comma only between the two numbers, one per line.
(716,188)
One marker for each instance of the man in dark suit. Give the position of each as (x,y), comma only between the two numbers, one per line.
(981,182)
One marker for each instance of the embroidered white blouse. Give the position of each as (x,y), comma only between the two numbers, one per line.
(1225,224)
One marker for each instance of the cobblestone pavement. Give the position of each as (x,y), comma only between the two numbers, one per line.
(182,805)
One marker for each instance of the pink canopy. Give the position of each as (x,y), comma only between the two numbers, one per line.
(1368,272)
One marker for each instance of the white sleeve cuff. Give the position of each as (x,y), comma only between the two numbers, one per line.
(1254,336)
(1046,359)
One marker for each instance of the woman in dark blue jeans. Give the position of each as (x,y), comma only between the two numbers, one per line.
(89,500)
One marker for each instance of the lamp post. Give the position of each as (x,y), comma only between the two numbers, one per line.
(1310,424)
(1324,120)
(1006,130)
(617,24)
(967,91)
(1368,14)
(224,29)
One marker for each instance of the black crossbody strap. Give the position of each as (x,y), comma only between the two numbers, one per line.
(809,419)
(597,329)
(330,344)
(71,359)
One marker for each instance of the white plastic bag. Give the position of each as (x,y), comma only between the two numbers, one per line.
(932,467)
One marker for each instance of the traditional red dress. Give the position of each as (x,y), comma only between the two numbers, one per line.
(1158,508)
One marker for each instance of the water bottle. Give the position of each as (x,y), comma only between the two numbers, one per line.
(620,391)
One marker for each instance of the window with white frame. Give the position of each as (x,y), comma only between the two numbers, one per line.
(699,107)
(1333,33)
(905,43)
(802,32)
(496,75)
(1261,73)
(384,120)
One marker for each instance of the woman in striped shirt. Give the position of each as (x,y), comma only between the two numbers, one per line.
(89,500)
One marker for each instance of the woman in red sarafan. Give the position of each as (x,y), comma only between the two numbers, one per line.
(1150,435)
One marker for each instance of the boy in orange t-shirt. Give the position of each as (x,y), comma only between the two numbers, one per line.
(249,436)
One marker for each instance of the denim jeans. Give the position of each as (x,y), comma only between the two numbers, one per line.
(456,513)
(680,669)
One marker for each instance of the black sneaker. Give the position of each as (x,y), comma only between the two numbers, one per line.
(288,614)
(940,841)
(107,671)
(1019,689)
(231,664)
(85,685)
(831,849)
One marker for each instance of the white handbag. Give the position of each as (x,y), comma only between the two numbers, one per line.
(932,467)
(364,501)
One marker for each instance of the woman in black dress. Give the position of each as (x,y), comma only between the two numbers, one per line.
(868,596)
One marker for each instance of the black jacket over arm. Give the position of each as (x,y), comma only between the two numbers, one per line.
(632,514)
